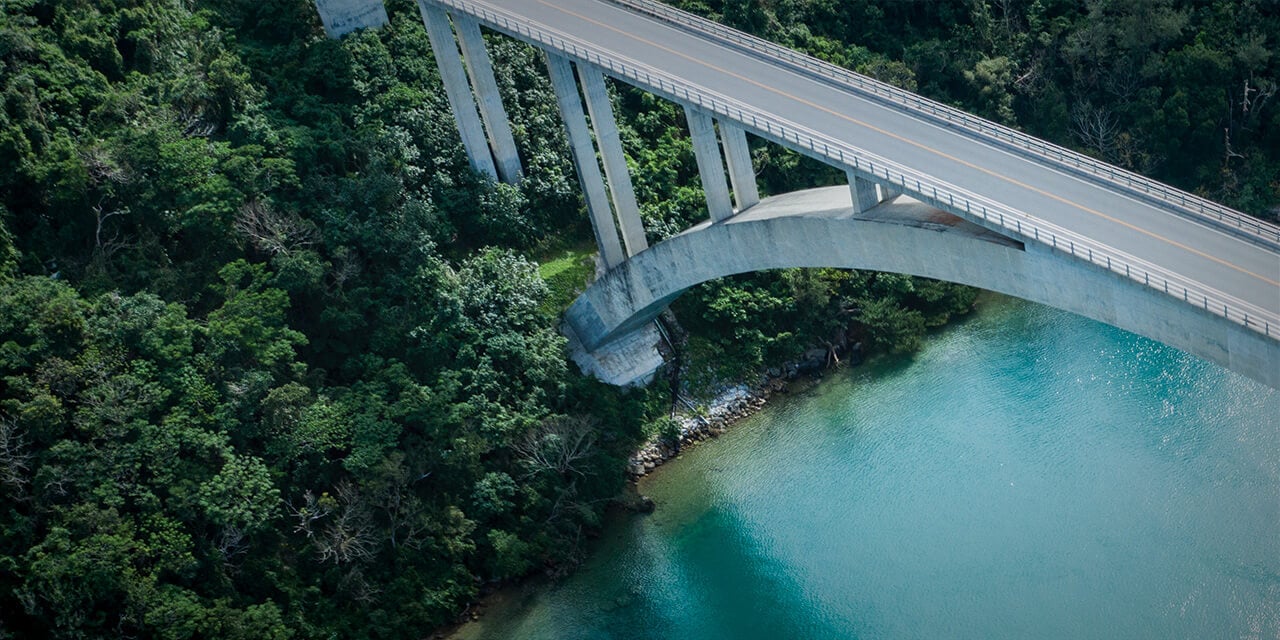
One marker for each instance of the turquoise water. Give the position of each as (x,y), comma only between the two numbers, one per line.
(1030,474)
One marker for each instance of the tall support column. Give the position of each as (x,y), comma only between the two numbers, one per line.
(584,158)
(741,174)
(616,172)
(456,89)
(864,192)
(480,69)
(710,167)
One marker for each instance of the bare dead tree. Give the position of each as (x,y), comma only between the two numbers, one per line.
(195,121)
(104,249)
(1253,99)
(1254,96)
(1028,81)
(1096,128)
(1228,152)
(1266,91)
(345,268)
(231,546)
(106,174)
(558,444)
(313,510)
(271,231)
(103,167)
(348,537)
(359,588)
(15,460)
(1122,81)
(341,527)
(1007,13)
(402,508)
(58,477)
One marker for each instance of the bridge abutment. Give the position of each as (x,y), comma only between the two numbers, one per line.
(631,360)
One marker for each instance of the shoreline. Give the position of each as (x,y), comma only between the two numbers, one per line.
(726,408)
(731,405)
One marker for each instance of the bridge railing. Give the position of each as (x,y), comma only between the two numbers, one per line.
(1187,203)
(922,186)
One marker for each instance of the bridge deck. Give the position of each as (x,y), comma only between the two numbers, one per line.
(1222,262)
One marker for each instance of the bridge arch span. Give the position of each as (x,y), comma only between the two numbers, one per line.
(818,228)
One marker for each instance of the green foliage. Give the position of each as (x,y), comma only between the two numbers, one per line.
(260,380)
(567,276)
(667,430)
(741,324)
(241,495)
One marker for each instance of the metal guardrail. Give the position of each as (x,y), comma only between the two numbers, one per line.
(922,186)
(1188,203)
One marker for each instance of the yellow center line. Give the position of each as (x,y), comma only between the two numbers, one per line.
(914,144)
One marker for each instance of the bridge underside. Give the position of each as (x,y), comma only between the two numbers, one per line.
(610,323)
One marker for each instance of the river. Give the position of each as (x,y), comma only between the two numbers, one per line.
(1028,474)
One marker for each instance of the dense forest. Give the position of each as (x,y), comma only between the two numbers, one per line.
(275,363)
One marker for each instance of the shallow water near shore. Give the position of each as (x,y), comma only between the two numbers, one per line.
(1029,474)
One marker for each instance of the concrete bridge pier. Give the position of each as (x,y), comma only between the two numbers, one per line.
(456,89)
(706,151)
(616,173)
(868,193)
(480,69)
(584,159)
(742,175)
(863,192)
(635,359)
(454,71)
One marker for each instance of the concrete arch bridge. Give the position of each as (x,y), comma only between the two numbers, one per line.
(932,191)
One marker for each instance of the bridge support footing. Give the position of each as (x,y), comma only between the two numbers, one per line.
(631,360)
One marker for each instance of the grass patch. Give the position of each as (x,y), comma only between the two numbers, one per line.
(567,272)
